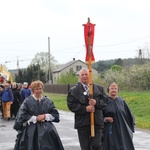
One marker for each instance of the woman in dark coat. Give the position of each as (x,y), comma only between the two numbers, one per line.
(119,122)
(17,100)
(34,122)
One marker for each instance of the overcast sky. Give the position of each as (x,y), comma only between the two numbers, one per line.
(122,28)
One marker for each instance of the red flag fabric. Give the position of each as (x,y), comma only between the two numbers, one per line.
(89,39)
(1,79)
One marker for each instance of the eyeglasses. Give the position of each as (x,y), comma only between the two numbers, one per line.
(113,88)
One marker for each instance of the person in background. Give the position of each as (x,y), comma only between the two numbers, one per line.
(19,85)
(1,108)
(17,100)
(25,91)
(119,122)
(78,102)
(7,99)
(34,122)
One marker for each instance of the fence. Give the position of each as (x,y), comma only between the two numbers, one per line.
(56,88)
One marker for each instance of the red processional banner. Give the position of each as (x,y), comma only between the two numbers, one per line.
(1,79)
(89,39)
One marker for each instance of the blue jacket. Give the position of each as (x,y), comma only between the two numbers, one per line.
(25,92)
(7,95)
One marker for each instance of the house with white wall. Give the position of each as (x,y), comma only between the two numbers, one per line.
(75,66)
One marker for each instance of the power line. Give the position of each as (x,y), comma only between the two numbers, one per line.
(123,43)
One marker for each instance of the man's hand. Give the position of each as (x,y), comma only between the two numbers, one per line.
(92,102)
(90,108)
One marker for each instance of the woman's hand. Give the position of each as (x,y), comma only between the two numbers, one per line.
(40,118)
(108,119)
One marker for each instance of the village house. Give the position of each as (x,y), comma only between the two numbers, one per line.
(74,65)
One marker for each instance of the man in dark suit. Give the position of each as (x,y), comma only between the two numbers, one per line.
(79,102)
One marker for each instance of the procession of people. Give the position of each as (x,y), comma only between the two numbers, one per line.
(34,117)
(12,95)
(103,121)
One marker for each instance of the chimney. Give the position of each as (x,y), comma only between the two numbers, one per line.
(73,59)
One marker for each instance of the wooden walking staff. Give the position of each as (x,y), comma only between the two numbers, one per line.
(89,39)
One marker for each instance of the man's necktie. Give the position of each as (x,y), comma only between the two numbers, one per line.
(87,89)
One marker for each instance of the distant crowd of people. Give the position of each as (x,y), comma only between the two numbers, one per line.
(12,95)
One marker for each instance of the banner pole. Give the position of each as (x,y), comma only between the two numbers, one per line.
(89,37)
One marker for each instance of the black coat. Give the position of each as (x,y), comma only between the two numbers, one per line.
(118,135)
(77,102)
(17,101)
(38,136)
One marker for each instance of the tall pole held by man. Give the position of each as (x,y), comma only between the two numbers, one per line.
(89,39)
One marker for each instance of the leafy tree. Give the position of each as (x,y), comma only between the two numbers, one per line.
(104,65)
(113,76)
(32,73)
(19,78)
(136,77)
(119,62)
(68,78)
(116,68)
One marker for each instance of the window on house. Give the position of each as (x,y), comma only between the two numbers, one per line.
(78,68)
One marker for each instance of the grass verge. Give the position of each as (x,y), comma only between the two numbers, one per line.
(139,103)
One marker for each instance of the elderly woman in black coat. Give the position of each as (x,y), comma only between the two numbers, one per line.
(34,122)
(119,122)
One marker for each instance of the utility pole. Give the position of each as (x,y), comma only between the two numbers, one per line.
(17,72)
(49,65)
(140,56)
(38,70)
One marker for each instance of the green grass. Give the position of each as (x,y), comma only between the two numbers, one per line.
(139,103)
(59,100)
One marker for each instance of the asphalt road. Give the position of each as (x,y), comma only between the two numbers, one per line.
(67,134)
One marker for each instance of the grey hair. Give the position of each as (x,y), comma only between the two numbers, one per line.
(83,69)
